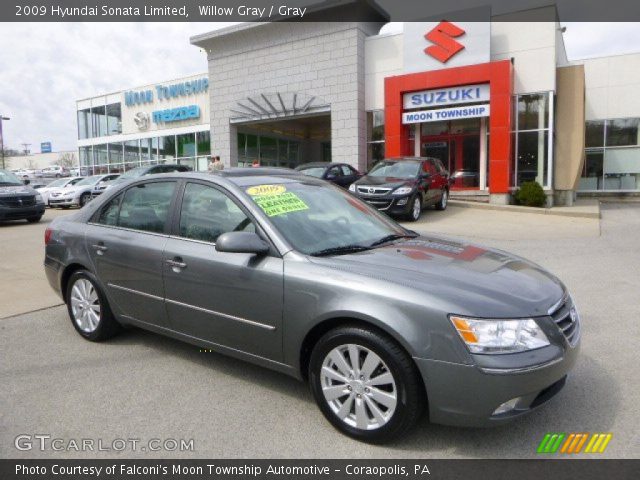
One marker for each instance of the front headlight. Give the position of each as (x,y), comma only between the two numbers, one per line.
(499,336)
(402,191)
(352,187)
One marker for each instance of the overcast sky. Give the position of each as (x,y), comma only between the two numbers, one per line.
(46,67)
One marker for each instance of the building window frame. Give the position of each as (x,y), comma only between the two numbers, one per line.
(549,129)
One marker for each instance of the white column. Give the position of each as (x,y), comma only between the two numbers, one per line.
(483,153)
(416,139)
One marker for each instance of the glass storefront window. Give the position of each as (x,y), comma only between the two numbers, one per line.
(533,111)
(86,162)
(186,145)
(594,133)
(84,123)
(622,132)
(252,148)
(167,149)
(294,148)
(148,149)
(621,169)
(532,147)
(114,119)
(99,121)
(204,143)
(375,137)
(268,151)
(115,153)
(132,152)
(100,159)
(533,156)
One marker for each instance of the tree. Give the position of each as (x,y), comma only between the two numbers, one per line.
(67,160)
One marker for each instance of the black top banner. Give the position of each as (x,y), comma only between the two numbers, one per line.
(318,469)
(315,10)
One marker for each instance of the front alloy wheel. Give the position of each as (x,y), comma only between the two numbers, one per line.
(365,384)
(358,387)
(416,209)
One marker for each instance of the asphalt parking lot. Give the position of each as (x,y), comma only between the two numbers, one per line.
(141,385)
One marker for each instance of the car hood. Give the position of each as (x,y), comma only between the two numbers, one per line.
(392,182)
(10,191)
(462,278)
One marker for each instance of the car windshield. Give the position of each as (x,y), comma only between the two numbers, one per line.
(89,180)
(398,169)
(322,219)
(58,183)
(8,178)
(135,173)
(313,171)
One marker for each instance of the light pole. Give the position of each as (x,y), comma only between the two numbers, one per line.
(1,138)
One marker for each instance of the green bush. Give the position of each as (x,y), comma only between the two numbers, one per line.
(531,194)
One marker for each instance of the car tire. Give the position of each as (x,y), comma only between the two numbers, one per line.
(84,199)
(444,200)
(34,219)
(415,208)
(89,309)
(57,175)
(366,410)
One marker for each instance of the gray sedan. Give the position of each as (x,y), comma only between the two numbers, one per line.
(297,275)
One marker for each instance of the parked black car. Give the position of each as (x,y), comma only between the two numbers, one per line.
(19,201)
(404,186)
(139,172)
(342,174)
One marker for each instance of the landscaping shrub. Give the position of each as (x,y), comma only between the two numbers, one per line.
(531,194)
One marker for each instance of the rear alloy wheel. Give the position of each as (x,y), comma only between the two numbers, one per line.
(416,209)
(444,200)
(88,308)
(365,384)
(84,199)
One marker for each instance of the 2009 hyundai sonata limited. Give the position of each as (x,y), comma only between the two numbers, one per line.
(297,275)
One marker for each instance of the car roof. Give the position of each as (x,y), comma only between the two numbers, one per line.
(242,177)
(402,159)
(317,164)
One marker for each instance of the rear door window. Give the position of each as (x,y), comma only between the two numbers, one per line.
(146,206)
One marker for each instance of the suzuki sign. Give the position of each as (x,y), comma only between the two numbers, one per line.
(440,97)
(444,44)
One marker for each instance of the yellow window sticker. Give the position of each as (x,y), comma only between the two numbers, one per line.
(275,200)
(266,190)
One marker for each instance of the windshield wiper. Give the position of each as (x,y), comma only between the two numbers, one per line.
(342,250)
(11,184)
(390,238)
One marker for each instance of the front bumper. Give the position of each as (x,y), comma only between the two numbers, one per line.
(468,395)
(390,204)
(58,202)
(21,213)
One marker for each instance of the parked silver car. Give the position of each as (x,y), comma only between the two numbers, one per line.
(295,274)
(78,195)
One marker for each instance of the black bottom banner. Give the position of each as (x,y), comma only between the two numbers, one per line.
(318,469)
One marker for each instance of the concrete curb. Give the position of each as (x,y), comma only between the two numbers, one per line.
(590,211)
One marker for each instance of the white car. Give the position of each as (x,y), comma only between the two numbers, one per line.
(75,195)
(55,171)
(57,185)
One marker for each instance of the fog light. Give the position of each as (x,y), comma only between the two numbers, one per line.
(403,201)
(507,406)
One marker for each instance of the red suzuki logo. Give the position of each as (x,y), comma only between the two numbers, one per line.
(442,36)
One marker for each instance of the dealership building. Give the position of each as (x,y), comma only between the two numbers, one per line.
(497,101)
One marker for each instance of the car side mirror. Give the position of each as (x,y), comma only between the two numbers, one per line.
(331,176)
(26,181)
(241,242)
(425,175)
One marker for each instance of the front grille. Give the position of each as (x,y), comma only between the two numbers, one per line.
(379,204)
(18,202)
(566,318)
(368,190)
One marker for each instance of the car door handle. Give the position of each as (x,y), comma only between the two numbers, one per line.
(177,264)
(100,248)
